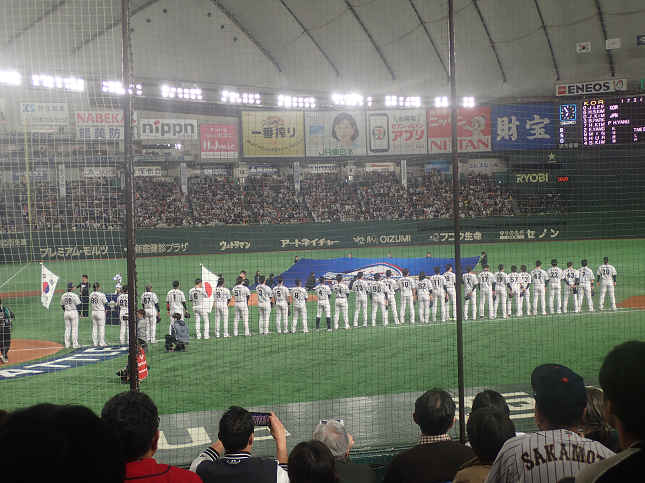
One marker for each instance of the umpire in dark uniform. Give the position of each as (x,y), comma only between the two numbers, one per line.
(5,331)
(84,287)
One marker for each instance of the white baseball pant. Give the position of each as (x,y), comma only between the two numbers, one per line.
(555,291)
(539,292)
(221,314)
(585,288)
(98,329)
(439,300)
(71,325)
(281,311)
(376,304)
(501,298)
(265,315)
(452,294)
(361,304)
(607,286)
(472,301)
(341,306)
(486,296)
(568,291)
(199,314)
(299,312)
(241,311)
(405,301)
(424,308)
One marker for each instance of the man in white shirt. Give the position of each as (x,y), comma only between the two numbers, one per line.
(450,277)
(607,281)
(486,281)
(555,453)
(122,302)
(438,282)
(341,290)
(408,295)
(98,301)
(264,294)
(323,292)
(539,279)
(470,293)
(241,294)
(378,293)
(299,297)
(555,286)
(585,287)
(150,303)
(361,289)
(392,286)
(199,298)
(71,304)
(571,278)
(281,299)
(514,282)
(424,289)
(222,299)
(176,303)
(501,292)
(525,291)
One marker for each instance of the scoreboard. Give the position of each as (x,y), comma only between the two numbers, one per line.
(599,122)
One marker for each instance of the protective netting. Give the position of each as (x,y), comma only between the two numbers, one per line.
(275,135)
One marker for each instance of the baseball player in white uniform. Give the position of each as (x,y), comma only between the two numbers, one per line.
(150,303)
(71,304)
(281,298)
(539,279)
(571,278)
(486,280)
(98,300)
(299,296)
(323,292)
(341,290)
(585,286)
(360,288)
(264,294)
(556,452)
(525,291)
(378,293)
(438,282)
(392,286)
(450,277)
(424,289)
(501,291)
(514,282)
(470,294)
(607,281)
(222,298)
(176,303)
(241,294)
(408,289)
(555,286)
(122,302)
(198,296)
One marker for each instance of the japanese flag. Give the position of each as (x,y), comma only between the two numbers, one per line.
(48,286)
(209,281)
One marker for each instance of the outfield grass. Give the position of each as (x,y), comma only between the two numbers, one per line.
(278,369)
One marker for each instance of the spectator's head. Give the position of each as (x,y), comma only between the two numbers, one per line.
(377,276)
(513,268)
(175,284)
(437,270)
(243,274)
(500,267)
(422,275)
(261,279)
(198,282)
(176,317)
(554,263)
(569,264)
(313,274)
(125,288)
(141,313)
(238,281)
(594,420)
(96,286)
(469,269)
(606,260)
(297,282)
(339,278)
(428,255)
(148,287)
(388,273)
(622,379)
(133,415)
(359,275)
(70,287)
(220,282)
(280,279)
(312,462)
(405,272)
(560,397)
(271,275)
(538,263)
(485,266)
(490,399)
(321,279)
(236,429)
(85,276)
(434,412)
(79,444)
(335,437)
(448,267)
(583,262)
(523,268)
(488,430)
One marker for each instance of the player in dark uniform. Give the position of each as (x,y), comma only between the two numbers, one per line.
(5,331)
(84,292)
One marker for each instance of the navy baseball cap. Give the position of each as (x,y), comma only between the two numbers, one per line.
(606,259)
(559,392)
(70,285)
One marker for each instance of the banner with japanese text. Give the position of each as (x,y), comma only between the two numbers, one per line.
(473,130)
(523,126)
(335,133)
(218,140)
(273,133)
(44,114)
(397,132)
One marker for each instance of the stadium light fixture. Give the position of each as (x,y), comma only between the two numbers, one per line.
(469,102)
(349,100)
(296,101)
(245,98)
(414,101)
(193,93)
(10,77)
(116,87)
(56,82)
(441,101)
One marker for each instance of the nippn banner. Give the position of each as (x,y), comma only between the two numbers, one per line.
(273,133)
(169,129)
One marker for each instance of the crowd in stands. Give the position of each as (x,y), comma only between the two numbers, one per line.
(96,203)
(572,441)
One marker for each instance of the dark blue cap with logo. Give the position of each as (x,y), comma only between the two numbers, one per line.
(559,393)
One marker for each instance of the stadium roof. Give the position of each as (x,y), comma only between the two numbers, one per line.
(505,49)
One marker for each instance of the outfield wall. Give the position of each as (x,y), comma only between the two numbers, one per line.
(79,245)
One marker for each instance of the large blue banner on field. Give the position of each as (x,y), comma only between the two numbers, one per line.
(523,126)
(349,267)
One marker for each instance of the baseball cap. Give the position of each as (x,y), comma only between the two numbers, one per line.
(606,259)
(559,392)
(70,285)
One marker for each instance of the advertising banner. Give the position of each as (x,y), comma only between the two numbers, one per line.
(62,182)
(184,178)
(473,130)
(277,133)
(404,173)
(593,87)
(44,114)
(323,168)
(263,169)
(296,176)
(523,126)
(165,129)
(101,118)
(337,133)
(144,171)
(379,166)
(439,165)
(97,133)
(99,172)
(215,171)
(218,140)
(397,132)
(34,174)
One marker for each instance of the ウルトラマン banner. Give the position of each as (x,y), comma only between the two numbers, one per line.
(273,133)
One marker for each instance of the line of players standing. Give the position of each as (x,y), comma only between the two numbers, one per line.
(435,291)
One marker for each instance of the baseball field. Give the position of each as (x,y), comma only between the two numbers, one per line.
(281,369)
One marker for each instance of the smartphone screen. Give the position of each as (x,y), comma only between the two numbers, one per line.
(379,133)
(261,419)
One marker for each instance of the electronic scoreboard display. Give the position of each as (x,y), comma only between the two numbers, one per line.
(600,122)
